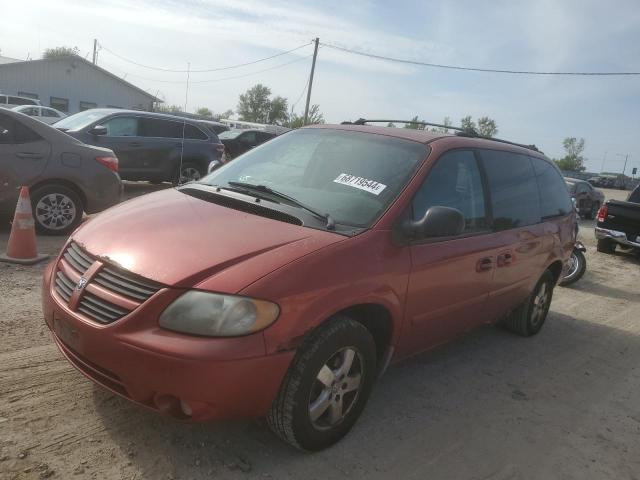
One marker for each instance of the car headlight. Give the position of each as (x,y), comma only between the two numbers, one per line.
(217,315)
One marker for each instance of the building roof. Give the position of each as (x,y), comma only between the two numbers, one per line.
(17,63)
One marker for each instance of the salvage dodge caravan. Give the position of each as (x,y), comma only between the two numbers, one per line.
(285,282)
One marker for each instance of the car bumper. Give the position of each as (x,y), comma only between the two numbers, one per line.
(187,377)
(615,235)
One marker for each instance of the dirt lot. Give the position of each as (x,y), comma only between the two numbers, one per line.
(564,404)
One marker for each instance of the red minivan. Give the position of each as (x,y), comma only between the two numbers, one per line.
(285,282)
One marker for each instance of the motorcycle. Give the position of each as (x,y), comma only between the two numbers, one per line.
(577,264)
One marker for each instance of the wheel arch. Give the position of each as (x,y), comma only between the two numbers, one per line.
(556,270)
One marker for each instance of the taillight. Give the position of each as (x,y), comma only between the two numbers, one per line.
(602,213)
(219,147)
(110,162)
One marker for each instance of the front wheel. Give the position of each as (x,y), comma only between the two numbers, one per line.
(189,172)
(528,318)
(57,210)
(576,268)
(327,386)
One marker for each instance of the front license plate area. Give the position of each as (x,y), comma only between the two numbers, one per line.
(66,332)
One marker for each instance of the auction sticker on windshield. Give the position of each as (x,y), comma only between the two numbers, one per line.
(365,184)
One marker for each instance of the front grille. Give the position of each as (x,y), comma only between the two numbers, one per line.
(64,286)
(98,299)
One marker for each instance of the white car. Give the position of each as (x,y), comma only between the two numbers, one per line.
(44,114)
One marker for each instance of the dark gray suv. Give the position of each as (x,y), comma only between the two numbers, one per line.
(65,176)
(149,145)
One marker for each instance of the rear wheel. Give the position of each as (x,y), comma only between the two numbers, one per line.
(190,172)
(327,386)
(606,245)
(576,268)
(528,318)
(57,209)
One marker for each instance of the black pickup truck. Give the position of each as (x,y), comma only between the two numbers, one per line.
(619,223)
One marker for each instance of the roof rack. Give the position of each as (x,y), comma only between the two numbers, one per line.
(461,132)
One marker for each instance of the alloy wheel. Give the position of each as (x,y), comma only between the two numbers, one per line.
(336,388)
(55,211)
(189,174)
(540,301)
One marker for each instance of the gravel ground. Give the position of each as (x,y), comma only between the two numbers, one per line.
(564,404)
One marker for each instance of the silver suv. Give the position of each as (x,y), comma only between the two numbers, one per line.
(65,176)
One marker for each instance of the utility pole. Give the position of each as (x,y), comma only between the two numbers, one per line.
(95,49)
(603,160)
(313,67)
(625,164)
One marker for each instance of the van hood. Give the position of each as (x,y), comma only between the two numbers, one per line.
(183,241)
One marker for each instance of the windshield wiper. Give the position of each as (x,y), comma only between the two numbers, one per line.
(331,224)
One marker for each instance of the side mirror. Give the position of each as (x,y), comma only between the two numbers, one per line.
(437,222)
(98,130)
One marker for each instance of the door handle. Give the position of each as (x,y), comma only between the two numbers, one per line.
(505,259)
(31,155)
(484,264)
(134,144)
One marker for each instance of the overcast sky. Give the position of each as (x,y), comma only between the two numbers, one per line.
(549,35)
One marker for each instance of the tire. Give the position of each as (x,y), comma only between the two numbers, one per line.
(591,214)
(290,416)
(605,245)
(577,268)
(190,171)
(57,209)
(528,318)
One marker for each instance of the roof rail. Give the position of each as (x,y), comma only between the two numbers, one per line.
(461,132)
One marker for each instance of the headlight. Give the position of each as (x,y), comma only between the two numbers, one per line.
(217,315)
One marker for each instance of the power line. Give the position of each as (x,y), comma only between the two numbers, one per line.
(204,70)
(213,80)
(473,69)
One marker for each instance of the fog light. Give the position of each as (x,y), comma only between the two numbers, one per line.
(186,409)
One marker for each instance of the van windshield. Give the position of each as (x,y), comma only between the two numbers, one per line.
(352,176)
(81,120)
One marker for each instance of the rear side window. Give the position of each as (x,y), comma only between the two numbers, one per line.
(454,181)
(47,112)
(514,191)
(122,127)
(12,132)
(554,195)
(635,196)
(194,133)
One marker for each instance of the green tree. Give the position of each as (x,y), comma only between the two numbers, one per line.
(278,110)
(414,126)
(204,111)
(467,124)
(60,52)
(573,160)
(314,118)
(226,114)
(391,124)
(168,108)
(254,105)
(446,122)
(487,127)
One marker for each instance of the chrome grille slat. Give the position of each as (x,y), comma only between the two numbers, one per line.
(79,259)
(87,258)
(74,263)
(147,285)
(111,286)
(94,315)
(120,283)
(126,283)
(98,303)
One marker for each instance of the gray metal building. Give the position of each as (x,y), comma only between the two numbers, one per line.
(71,85)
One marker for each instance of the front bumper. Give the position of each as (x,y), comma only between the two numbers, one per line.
(615,235)
(183,376)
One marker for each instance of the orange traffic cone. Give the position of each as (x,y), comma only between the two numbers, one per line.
(22,241)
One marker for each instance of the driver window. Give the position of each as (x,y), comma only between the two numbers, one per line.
(248,138)
(454,181)
(122,127)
